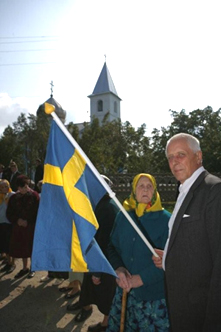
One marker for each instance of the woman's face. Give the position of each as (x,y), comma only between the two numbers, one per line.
(23,190)
(4,188)
(144,190)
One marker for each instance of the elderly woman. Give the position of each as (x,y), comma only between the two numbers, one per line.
(22,212)
(132,260)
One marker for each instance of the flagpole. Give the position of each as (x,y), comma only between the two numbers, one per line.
(50,109)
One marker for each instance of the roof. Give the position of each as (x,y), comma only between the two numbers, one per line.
(58,109)
(104,83)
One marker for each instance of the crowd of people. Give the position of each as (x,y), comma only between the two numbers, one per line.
(174,287)
(18,212)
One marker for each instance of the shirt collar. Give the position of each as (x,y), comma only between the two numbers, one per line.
(183,188)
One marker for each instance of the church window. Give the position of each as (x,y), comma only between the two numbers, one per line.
(115,107)
(100,106)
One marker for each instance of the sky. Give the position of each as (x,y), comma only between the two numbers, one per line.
(161,55)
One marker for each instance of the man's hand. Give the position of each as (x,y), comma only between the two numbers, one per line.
(22,223)
(158,260)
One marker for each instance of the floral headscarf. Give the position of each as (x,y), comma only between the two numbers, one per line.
(131,202)
(5,197)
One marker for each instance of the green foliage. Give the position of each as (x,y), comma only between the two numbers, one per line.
(203,124)
(24,142)
(114,147)
(8,146)
(137,149)
(158,159)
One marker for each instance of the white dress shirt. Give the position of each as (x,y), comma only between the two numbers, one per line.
(183,190)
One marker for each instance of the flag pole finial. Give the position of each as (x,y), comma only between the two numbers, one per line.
(49,108)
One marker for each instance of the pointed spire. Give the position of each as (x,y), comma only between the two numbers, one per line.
(104,83)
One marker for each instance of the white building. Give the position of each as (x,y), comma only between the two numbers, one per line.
(104,99)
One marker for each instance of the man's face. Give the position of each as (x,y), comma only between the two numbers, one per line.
(182,160)
(13,168)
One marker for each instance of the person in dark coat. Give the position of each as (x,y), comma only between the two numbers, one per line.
(2,168)
(131,258)
(22,213)
(6,173)
(5,227)
(99,288)
(13,176)
(39,173)
(192,255)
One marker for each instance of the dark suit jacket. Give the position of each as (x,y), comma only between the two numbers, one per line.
(13,181)
(39,173)
(193,261)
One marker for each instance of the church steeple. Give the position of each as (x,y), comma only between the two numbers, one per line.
(104,98)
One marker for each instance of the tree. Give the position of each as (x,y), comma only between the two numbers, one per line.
(8,146)
(114,147)
(137,149)
(103,145)
(159,138)
(24,142)
(203,124)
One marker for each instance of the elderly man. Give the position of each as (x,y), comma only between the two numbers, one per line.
(192,255)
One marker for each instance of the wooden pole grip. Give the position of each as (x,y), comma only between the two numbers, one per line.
(123,310)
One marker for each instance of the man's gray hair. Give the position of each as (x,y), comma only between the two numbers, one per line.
(192,141)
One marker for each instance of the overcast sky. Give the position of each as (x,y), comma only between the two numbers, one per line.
(161,55)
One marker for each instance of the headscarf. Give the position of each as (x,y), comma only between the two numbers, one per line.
(131,202)
(5,197)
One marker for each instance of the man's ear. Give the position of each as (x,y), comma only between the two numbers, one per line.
(199,156)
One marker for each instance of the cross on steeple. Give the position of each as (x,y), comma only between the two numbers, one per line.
(52,85)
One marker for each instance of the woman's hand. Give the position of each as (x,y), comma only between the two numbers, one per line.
(136,281)
(124,278)
(158,260)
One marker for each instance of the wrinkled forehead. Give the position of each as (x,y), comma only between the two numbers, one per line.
(178,144)
(143,178)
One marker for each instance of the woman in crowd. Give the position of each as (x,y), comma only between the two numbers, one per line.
(132,260)
(22,212)
(5,226)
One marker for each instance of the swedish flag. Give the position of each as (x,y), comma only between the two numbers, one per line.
(66,224)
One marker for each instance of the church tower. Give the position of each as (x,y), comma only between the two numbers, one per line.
(104,98)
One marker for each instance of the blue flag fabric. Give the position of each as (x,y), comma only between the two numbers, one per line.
(66,224)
